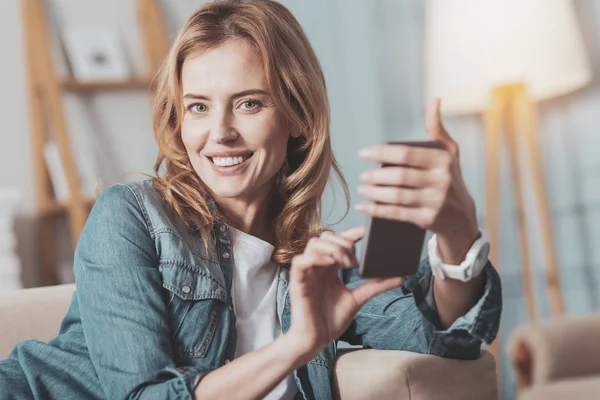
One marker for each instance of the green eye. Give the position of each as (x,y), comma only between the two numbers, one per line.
(198,108)
(250,105)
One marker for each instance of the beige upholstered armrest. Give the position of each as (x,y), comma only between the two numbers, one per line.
(388,374)
(32,314)
(562,348)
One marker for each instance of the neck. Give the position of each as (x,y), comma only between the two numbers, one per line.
(249,215)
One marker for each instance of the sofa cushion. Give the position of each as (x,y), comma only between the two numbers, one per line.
(580,389)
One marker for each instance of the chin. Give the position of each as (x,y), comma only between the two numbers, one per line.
(229,193)
(226,190)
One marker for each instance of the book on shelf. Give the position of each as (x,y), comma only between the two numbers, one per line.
(56,170)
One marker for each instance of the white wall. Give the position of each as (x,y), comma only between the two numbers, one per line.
(15,158)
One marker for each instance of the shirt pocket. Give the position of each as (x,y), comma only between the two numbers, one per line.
(196,304)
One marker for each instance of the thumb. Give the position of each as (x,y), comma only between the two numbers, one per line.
(435,128)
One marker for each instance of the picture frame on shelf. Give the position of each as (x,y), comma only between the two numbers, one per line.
(95,54)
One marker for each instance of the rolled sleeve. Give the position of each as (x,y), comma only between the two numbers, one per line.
(480,322)
(406,318)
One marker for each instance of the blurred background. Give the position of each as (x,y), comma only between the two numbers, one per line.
(497,65)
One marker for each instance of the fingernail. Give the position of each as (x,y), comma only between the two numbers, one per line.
(360,207)
(362,189)
(365,152)
(364,176)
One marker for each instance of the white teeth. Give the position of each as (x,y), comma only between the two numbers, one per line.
(227,161)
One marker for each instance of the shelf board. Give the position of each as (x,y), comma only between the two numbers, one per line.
(73,85)
(55,208)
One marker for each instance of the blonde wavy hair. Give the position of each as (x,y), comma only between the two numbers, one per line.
(297,84)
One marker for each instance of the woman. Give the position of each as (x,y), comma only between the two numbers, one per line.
(162,310)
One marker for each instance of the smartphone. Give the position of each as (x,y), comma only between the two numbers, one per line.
(393,248)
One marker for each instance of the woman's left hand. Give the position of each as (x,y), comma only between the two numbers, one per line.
(423,186)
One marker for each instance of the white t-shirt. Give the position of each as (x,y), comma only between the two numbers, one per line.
(254,294)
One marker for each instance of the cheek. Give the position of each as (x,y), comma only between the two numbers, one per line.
(190,135)
(276,153)
(274,132)
(274,140)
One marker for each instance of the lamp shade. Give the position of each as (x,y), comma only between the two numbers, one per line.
(472,46)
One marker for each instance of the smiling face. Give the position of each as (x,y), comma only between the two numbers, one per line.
(234,135)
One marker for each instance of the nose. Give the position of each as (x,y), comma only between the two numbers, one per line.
(222,130)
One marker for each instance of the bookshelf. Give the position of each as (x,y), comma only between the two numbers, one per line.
(47,114)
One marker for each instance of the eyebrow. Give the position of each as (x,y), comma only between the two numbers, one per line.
(234,96)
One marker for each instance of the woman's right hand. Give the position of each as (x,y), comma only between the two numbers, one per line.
(322,307)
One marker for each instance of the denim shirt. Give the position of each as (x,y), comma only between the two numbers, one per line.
(152,313)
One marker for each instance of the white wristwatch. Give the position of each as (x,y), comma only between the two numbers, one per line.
(474,262)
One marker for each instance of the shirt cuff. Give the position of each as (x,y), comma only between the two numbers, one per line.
(480,322)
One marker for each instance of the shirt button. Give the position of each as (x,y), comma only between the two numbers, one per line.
(225,255)
(223,228)
(186,289)
(227,361)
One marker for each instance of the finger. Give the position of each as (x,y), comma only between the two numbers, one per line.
(402,155)
(373,287)
(435,127)
(421,216)
(308,260)
(399,196)
(343,255)
(347,239)
(354,234)
(398,176)
(339,239)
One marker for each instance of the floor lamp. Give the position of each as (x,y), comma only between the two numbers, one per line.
(497,58)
